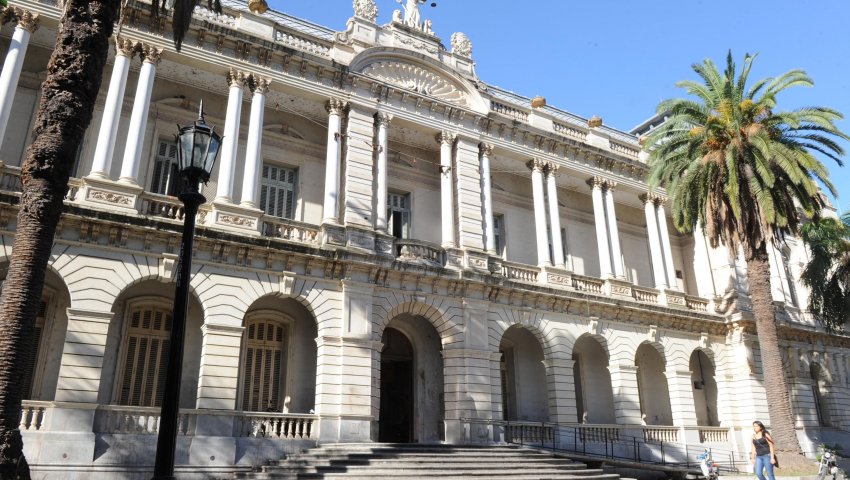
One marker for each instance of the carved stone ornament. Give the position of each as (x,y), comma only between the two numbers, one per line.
(237,220)
(110,197)
(461,45)
(235,78)
(366,9)
(259,84)
(151,54)
(26,19)
(417,79)
(594,122)
(126,47)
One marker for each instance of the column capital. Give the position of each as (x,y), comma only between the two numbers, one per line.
(126,47)
(552,169)
(26,19)
(445,138)
(236,78)
(259,84)
(486,149)
(596,182)
(536,165)
(383,119)
(151,54)
(335,106)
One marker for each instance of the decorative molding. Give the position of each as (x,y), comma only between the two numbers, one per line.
(417,79)
(237,221)
(461,45)
(366,9)
(110,197)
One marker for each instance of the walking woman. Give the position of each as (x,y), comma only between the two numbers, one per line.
(763,455)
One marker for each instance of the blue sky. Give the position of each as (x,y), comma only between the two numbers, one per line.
(618,59)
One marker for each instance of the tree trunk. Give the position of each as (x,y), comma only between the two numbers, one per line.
(774,373)
(68,97)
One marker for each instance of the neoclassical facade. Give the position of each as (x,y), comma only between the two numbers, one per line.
(392,250)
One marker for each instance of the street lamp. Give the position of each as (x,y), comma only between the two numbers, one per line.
(198,146)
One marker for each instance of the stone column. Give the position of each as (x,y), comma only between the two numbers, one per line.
(446,141)
(101,165)
(665,245)
(613,231)
(139,117)
(655,252)
(382,121)
(27,24)
(601,228)
(253,151)
(218,376)
(335,108)
(706,285)
(554,216)
(486,151)
(626,396)
(537,166)
(230,141)
(681,397)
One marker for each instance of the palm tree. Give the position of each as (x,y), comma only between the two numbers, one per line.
(742,170)
(827,273)
(69,91)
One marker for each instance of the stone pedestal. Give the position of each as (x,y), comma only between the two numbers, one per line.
(618,288)
(104,193)
(235,218)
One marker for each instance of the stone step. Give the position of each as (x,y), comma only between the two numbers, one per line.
(398,467)
(441,474)
(506,462)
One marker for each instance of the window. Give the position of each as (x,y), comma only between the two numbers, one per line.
(398,214)
(165,177)
(38,333)
(263,366)
(145,357)
(277,191)
(499,234)
(789,277)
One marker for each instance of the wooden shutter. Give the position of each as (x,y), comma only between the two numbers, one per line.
(263,366)
(146,357)
(164,179)
(277,191)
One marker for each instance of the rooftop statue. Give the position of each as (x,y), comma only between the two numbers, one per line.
(411,13)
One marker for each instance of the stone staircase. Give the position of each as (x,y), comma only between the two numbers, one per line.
(371,461)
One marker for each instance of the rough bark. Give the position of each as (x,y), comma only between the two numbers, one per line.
(68,96)
(774,373)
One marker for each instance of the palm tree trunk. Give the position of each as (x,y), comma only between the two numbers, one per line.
(68,96)
(774,373)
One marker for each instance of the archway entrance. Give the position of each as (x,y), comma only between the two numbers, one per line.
(524,392)
(396,419)
(704,388)
(411,400)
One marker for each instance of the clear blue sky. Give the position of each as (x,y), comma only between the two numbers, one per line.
(618,59)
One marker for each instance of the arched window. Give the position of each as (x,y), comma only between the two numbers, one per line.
(264,365)
(145,356)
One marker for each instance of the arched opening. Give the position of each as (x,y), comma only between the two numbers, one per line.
(652,386)
(278,358)
(49,332)
(704,386)
(524,395)
(594,396)
(820,394)
(136,354)
(412,400)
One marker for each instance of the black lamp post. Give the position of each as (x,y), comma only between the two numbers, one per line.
(198,146)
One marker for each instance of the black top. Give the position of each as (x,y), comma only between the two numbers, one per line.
(761,445)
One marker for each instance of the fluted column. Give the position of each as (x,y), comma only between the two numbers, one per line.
(27,24)
(613,231)
(446,141)
(537,167)
(486,151)
(253,151)
(554,216)
(139,117)
(382,121)
(656,254)
(125,49)
(335,108)
(597,196)
(230,143)
(672,282)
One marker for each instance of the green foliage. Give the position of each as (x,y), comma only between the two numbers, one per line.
(733,164)
(827,273)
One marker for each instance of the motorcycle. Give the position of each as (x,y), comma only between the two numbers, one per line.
(710,470)
(828,467)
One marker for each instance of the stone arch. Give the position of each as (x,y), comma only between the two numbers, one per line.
(410,70)
(523,375)
(820,392)
(446,319)
(704,385)
(535,322)
(592,378)
(653,389)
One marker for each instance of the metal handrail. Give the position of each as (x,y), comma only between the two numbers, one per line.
(569,438)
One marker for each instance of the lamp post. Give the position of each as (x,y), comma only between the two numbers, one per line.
(198,146)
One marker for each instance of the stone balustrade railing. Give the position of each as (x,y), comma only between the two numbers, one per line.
(139,420)
(648,295)
(529,432)
(34,415)
(164,206)
(698,304)
(597,433)
(301,43)
(658,434)
(520,273)
(290,230)
(10,179)
(570,131)
(509,111)
(624,149)
(713,434)
(274,425)
(415,251)
(588,284)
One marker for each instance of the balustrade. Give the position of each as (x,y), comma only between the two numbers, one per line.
(649,295)
(696,303)
(597,433)
(660,434)
(569,131)
(588,284)
(33,415)
(139,420)
(531,432)
(274,425)
(520,273)
(414,251)
(10,178)
(290,230)
(624,149)
(713,435)
(509,111)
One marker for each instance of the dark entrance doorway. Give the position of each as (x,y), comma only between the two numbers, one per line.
(395,423)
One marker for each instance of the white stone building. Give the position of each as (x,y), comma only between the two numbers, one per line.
(391,248)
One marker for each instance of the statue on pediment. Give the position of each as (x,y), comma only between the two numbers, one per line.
(411,13)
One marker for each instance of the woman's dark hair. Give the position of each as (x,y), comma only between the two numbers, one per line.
(761,426)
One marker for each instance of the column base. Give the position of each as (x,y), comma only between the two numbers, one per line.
(234,218)
(105,193)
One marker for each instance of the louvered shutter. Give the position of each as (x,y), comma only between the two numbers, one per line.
(277,191)
(145,358)
(165,177)
(263,367)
